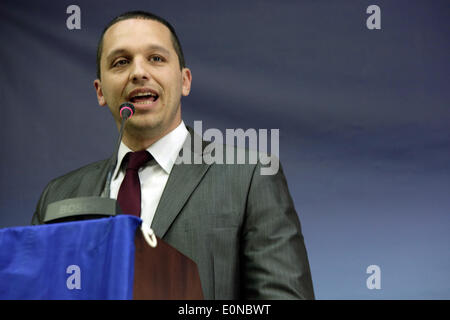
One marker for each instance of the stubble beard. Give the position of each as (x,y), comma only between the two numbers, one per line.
(142,127)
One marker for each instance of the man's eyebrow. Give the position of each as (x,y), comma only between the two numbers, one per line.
(115,52)
(152,47)
(156,47)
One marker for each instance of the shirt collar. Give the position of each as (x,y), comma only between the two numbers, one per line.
(165,151)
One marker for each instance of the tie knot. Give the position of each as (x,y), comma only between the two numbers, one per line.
(137,159)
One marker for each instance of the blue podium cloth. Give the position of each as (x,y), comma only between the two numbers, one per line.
(92,259)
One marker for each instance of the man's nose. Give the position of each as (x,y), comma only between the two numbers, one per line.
(139,71)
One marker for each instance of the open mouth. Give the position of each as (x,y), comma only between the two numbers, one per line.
(143,98)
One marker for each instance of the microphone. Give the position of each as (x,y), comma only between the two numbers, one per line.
(126,111)
(83,208)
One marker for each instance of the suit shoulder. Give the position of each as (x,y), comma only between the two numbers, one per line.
(76,183)
(79,173)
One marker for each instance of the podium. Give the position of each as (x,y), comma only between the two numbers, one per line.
(173,276)
(106,258)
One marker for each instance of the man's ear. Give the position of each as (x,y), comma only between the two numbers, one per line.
(98,89)
(187,80)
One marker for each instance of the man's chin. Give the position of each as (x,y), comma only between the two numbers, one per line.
(140,126)
(137,123)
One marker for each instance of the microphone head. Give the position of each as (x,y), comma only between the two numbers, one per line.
(126,110)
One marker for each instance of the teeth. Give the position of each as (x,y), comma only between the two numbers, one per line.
(144,94)
(144,102)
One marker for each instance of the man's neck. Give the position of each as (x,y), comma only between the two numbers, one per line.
(139,141)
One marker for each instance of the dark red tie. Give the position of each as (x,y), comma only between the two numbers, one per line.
(129,196)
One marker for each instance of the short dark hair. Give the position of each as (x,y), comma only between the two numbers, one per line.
(147,16)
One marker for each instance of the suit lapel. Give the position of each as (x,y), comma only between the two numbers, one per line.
(93,183)
(182,181)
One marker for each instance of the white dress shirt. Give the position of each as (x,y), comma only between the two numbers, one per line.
(154,175)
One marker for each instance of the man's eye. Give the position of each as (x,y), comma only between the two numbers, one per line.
(120,63)
(156,59)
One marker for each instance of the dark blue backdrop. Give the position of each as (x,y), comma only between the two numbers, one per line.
(363,117)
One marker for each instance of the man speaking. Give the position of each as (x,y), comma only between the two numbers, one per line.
(240,227)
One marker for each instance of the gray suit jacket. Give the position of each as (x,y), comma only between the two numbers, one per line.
(239,226)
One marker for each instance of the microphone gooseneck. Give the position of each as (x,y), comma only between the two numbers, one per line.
(126,111)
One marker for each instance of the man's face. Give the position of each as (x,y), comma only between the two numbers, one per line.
(139,64)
